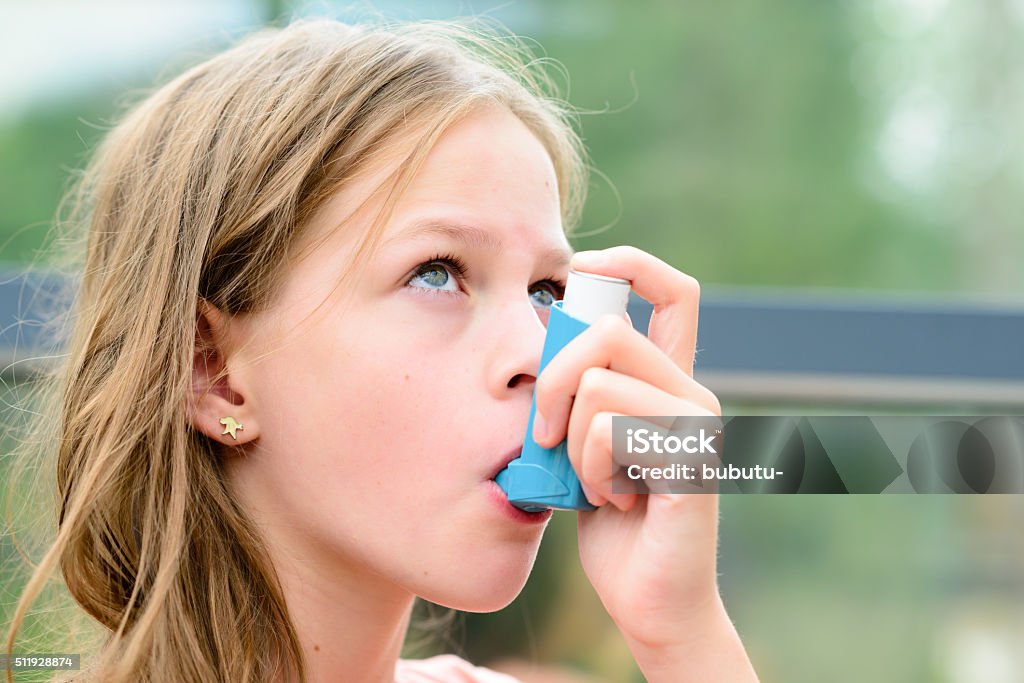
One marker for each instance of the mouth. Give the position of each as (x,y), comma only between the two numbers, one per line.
(510,511)
(505,460)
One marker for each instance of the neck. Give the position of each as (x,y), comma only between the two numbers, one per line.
(351,624)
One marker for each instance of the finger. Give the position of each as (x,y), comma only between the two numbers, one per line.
(601,389)
(612,343)
(674,295)
(589,489)
(595,467)
(619,481)
(592,496)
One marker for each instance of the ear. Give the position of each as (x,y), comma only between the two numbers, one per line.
(217,406)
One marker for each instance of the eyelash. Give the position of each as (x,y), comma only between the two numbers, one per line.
(459,268)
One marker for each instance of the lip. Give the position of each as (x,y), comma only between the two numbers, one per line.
(510,511)
(505,460)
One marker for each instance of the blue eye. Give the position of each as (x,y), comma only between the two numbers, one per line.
(545,297)
(436,276)
(440,274)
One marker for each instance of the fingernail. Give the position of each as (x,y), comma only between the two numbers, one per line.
(540,427)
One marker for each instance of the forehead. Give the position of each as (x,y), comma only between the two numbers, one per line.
(490,154)
(488,169)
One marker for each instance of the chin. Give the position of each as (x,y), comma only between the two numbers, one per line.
(498,598)
(488,590)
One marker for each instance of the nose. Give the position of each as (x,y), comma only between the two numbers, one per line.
(518,339)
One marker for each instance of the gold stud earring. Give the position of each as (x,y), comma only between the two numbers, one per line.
(230,426)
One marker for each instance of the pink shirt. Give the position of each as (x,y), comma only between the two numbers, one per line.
(446,669)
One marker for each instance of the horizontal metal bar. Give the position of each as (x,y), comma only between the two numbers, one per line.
(801,346)
(809,390)
(761,345)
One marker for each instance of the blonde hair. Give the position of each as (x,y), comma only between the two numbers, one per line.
(203,190)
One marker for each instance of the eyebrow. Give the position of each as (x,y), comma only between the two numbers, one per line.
(474,238)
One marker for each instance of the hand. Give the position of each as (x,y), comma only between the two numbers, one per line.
(651,557)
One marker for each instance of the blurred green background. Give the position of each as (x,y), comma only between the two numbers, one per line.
(861,145)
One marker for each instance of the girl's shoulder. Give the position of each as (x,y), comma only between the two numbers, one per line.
(446,669)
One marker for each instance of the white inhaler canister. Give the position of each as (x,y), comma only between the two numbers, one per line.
(543,478)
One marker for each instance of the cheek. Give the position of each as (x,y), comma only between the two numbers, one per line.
(371,417)
(405,413)
(411,382)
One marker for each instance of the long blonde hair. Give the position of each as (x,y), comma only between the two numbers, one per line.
(203,189)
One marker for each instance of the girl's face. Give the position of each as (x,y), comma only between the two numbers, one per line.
(383,418)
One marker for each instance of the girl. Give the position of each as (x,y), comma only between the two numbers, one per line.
(305,341)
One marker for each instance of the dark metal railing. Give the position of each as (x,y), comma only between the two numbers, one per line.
(762,346)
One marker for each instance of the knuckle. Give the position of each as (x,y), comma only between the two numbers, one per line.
(593,382)
(628,249)
(613,329)
(687,286)
(606,325)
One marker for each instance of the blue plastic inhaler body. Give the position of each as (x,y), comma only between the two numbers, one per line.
(543,478)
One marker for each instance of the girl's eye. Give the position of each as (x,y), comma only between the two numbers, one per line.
(441,274)
(551,291)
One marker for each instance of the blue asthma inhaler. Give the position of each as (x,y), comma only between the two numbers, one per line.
(543,478)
